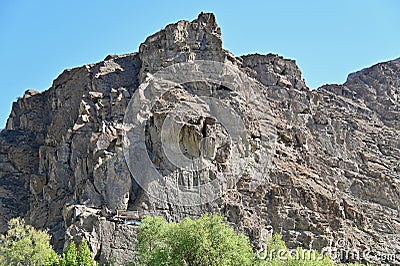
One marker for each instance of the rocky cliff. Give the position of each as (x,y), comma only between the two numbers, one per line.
(318,166)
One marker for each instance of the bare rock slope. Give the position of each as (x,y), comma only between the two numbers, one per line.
(334,172)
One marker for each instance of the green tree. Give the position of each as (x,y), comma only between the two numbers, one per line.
(70,256)
(84,257)
(205,241)
(24,245)
(76,257)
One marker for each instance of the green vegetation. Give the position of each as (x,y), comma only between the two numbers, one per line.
(205,241)
(69,256)
(210,241)
(24,245)
(73,257)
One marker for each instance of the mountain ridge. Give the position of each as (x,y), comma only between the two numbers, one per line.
(334,172)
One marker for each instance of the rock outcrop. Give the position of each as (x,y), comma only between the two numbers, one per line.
(334,173)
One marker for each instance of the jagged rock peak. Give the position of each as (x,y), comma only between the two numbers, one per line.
(183,41)
(209,22)
(392,65)
(205,22)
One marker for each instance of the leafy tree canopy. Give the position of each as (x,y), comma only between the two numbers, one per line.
(23,245)
(76,257)
(205,241)
(210,241)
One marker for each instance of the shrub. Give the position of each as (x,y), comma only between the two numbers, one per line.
(205,241)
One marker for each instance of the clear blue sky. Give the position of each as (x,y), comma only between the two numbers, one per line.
(328,39)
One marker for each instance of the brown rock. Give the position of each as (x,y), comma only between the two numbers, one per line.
(334,172)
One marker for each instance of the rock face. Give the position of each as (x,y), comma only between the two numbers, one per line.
(334,173)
